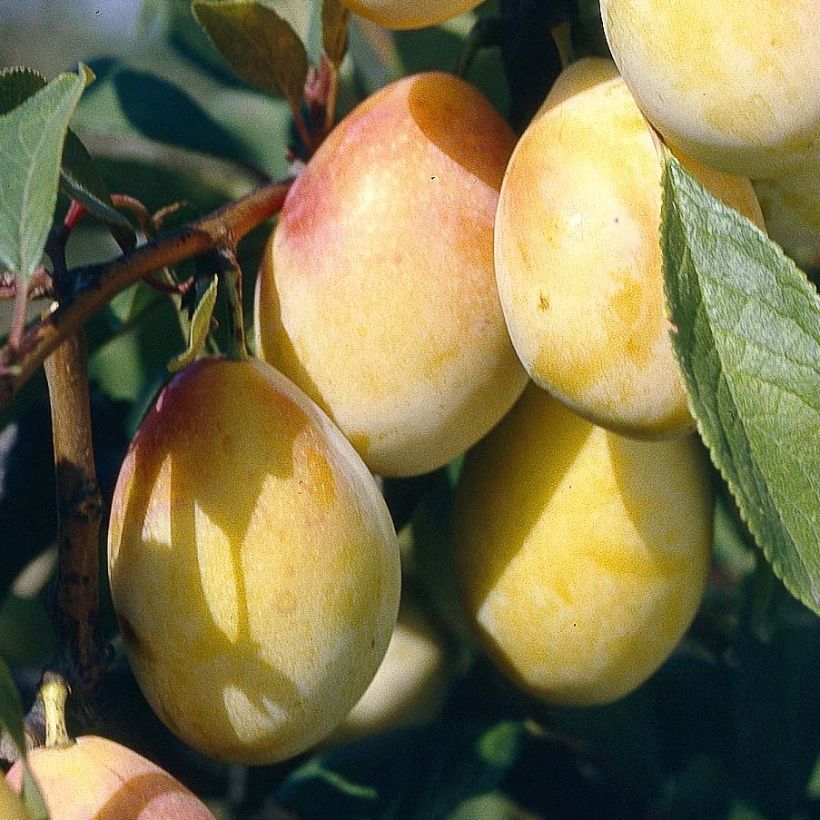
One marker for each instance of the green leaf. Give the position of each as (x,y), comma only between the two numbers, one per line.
(31,145)
(78,175)
(748,341)
(11,719)
(80,180)
(32,799)
(200,327)
(259,45)
(174,19)
(334,29)
(165,113)
(11,710)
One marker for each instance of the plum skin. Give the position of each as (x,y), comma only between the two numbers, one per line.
(409,14)
(411,683)
(254,568)
(377,293)
(735,83)
(791,208)
(578,257)
(581,555)
(96,777)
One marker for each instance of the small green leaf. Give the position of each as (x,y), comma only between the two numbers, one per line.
(200,327)
(11,710)
(748,340)
(334,29)
(80,180)
(259,45)
(31,145)
(32,798)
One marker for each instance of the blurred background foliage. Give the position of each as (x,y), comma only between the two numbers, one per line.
(728,728)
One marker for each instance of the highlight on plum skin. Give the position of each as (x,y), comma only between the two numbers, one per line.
(735,84)
(96,777)
(410,14)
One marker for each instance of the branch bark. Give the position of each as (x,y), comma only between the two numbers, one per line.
(79,505)
(96,285)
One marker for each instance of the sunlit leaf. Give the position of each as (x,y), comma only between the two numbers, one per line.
(31,146)
(200,327)
(334,29)
(259,45)
(747,336)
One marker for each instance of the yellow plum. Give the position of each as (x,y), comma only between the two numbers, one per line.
(581,554)
(578,256)
(405,14)
(735,83)
(253,563)
(791,208)
(93,777)
(410,685)
(377,294)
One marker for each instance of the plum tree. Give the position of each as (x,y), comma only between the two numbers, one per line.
(404,14)
(581,554)
(578,257)
(377,294)
(268,556)
(95,777)
(735,83)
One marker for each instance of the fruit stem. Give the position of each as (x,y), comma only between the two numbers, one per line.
(530,54)
(230,278)
(562,37)
(53,694)
(96,285)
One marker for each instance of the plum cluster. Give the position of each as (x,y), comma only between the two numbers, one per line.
(436,285)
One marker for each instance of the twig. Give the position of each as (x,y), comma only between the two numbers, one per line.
(18,317)
(96,285)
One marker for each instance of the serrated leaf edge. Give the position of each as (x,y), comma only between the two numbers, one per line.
(673,166)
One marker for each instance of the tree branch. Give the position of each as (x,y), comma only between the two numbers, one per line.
(80,506)
(96,285)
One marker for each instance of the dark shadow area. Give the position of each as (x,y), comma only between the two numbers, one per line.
(28,513)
